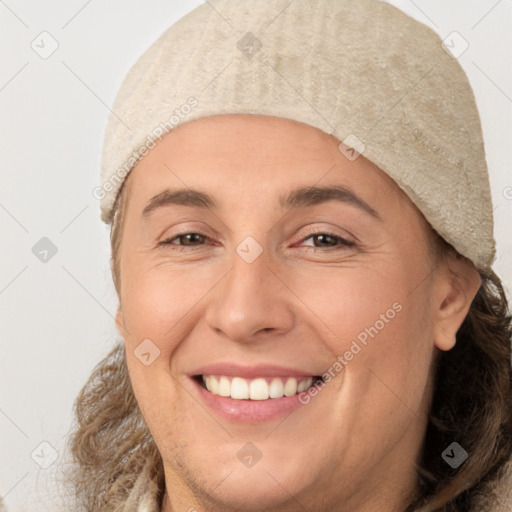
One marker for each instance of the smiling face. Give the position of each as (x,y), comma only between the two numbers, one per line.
(233,267)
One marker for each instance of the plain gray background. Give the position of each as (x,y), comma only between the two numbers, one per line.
(58,317)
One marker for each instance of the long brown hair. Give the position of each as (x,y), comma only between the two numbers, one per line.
(115,456)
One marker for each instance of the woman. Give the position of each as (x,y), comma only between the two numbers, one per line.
(302,249)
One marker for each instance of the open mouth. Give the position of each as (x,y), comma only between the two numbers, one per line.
(261,388)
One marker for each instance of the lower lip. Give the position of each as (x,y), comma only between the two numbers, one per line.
(249,411)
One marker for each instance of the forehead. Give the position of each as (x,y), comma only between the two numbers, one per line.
(246,158)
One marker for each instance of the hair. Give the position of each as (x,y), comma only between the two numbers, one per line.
(116,458)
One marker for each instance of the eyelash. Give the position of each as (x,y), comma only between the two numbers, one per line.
(344,243)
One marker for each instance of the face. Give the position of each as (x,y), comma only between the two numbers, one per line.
(261,288)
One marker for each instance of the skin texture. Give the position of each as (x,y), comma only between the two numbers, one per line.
(301,303)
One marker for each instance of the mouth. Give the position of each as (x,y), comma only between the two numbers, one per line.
(253,394)
(259,388)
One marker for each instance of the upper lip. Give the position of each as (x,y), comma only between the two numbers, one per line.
(250,372)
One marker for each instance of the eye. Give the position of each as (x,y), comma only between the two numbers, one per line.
(189,237)
(331,239)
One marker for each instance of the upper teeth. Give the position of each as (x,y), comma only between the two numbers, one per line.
(256,389)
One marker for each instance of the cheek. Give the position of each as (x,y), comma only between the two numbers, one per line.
(356,305)
(154,301)
(375,323)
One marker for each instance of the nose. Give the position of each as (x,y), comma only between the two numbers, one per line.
(251,303)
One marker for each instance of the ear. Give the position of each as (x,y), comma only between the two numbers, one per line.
(120,321)
(455,289)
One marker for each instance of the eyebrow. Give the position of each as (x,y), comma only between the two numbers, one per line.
(298,198)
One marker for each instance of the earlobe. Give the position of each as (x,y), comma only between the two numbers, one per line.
(456,292)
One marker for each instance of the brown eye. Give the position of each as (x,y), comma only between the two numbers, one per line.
(188,238)
(327,240)
(324,238)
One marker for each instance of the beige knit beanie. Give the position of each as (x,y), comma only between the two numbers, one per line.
(361,70)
